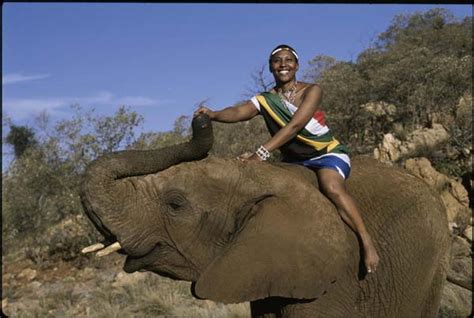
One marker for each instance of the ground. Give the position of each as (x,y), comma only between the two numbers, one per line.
(98,287)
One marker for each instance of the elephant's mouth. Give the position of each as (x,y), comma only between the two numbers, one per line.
(134,263)
(163,260)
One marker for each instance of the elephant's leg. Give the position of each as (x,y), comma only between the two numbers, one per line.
(433,299)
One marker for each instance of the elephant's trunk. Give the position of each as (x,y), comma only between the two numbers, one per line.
(104,198)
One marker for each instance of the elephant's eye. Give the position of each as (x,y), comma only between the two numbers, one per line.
(175,200)
(174,205)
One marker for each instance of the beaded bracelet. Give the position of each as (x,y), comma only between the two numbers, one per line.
(263,153)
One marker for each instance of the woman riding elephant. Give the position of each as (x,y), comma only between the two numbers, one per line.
(237,234)
(292,112)
(245,230)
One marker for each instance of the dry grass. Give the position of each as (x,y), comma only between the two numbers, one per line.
(107,292)
(154,296)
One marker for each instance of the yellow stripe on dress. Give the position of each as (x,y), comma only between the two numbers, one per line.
(316,144)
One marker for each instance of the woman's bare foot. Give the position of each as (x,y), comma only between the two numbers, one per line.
(371,258)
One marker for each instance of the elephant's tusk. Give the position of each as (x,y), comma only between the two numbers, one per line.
(109,249)
(93,248)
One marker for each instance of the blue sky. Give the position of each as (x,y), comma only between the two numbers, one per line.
(162,58)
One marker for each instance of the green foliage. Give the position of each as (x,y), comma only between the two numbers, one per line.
(153,140)
(86,136)
(21,138)
(436,29)
(33,193)
(422,64)
(41,187)
(62,241)
(318,65)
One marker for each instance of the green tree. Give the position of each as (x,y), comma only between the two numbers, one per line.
(41,188)
(421,64)
(21,138)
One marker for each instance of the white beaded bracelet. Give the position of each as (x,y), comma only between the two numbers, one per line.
(263,153)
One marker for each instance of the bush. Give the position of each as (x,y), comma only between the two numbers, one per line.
(422,65)
(41,187)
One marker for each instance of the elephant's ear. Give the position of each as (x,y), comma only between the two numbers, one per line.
(280,252)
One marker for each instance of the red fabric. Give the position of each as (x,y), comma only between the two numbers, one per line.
(319,116)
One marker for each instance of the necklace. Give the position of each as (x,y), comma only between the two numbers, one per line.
(288,95)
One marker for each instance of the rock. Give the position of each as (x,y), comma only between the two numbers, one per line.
(107,276)
(456,211)
(452,226)
(428,137)
(123,278)
(28,274)
(6,277)
(460,271)
(459,192)
(391,149)
(453,194)
(4,304)
(422,168)
(460,247)
(464,107)
(468,233)
(87,273)
(35,285)
(380,109)
(455,301)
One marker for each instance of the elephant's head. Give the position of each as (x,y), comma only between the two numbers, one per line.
(239,231)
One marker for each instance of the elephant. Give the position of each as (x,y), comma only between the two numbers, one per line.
(263,233)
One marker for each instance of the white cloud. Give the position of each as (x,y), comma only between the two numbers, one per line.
(17,78)
(136,101)
(102,98)
(21,108)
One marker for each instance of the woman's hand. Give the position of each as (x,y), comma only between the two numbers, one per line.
(205,110)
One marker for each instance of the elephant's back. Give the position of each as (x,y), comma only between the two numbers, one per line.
(394,202)
(408,223)
(379,185)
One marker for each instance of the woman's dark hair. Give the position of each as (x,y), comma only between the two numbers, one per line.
(283,47)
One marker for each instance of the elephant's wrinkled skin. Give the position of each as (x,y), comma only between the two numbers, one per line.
(262,233)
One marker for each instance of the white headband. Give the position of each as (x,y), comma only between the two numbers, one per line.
(285,48)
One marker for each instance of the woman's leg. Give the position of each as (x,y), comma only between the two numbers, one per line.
(332,184)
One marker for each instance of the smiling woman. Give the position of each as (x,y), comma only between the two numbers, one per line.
(293,115)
